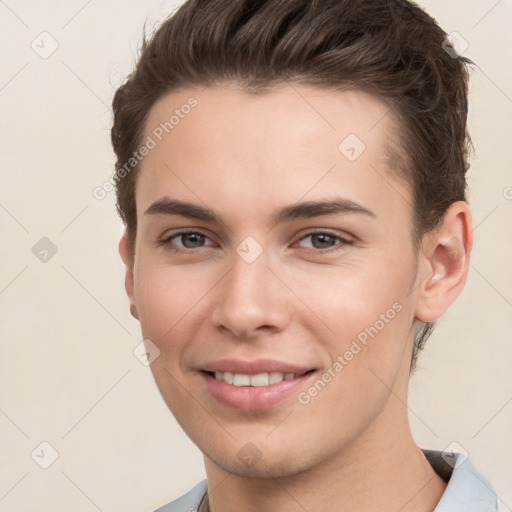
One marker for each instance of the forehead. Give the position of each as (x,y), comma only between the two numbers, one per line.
(219,143)
(304,111)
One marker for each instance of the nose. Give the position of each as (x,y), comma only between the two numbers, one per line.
(251,301)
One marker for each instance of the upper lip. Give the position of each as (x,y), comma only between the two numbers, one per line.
(254,366)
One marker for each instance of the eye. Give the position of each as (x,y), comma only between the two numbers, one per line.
(321,241)
(185,240)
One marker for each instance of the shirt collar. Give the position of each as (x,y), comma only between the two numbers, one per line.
(467,489)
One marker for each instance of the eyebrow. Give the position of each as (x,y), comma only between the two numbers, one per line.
(304,210)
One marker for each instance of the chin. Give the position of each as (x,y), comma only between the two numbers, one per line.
(265,464)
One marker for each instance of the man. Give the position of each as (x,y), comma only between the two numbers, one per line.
(291,175)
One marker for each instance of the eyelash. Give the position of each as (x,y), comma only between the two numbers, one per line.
(166,242)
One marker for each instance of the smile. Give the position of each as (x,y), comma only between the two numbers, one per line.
(254,385)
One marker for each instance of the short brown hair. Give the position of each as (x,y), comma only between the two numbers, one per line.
(390,48)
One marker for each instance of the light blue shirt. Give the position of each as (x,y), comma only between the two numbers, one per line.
(467,490)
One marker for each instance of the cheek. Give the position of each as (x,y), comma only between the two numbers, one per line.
(167,298)
(352,298)
(367,352)
(368,310)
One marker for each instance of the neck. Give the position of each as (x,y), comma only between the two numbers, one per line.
(382,470)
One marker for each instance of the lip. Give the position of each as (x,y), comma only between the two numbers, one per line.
(254,398)
(253,367)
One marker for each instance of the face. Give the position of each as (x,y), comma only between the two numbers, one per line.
(274,265)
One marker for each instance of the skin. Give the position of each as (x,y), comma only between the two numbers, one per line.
(246,156)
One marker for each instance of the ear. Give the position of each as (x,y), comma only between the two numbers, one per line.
(126,256)
(444,263)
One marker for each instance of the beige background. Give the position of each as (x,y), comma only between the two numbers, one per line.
(68,375)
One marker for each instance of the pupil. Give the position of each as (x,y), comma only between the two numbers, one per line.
(196,240)
(324,241)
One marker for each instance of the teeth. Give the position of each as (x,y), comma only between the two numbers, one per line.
(260,379)
(275,377)
(239,379)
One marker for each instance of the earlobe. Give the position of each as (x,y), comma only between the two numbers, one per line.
(124,252)
(445,258)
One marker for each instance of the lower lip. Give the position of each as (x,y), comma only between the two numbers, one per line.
(253,398)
